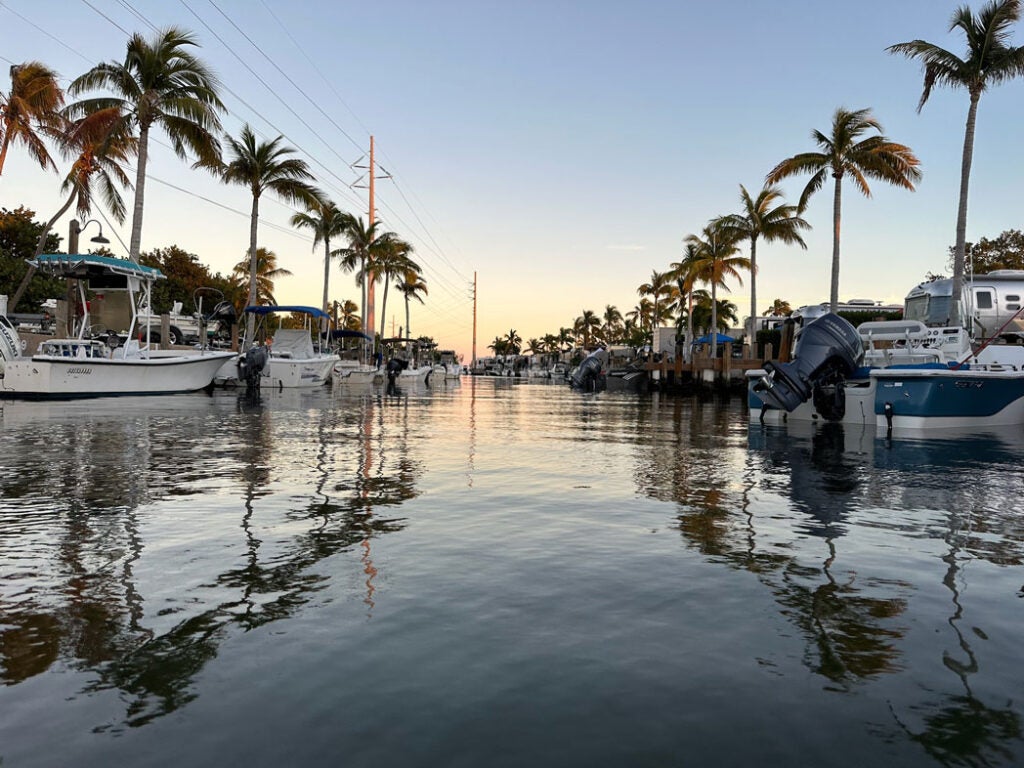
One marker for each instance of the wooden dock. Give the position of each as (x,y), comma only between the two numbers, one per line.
(724,371)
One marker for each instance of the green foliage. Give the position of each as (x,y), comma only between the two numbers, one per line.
(19,233)
(1003,252)
(184,275)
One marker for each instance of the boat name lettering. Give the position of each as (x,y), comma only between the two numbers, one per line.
(968,384)
(79,371)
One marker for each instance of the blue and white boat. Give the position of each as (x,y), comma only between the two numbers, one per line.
(81,366)
(895,375)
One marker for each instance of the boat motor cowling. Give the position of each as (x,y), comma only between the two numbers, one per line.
(829,348)
(588,375)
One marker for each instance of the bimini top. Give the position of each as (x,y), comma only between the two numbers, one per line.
(83,266)
(270,309)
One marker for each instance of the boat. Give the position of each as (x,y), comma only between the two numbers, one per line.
(81,366)
(895,375)
(292,359)
(350,368)
(449,366)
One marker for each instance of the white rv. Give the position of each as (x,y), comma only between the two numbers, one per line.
(992,304)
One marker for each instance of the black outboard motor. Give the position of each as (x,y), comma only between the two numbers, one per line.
(251,365)
(395,366)
(587,376)
(827,353)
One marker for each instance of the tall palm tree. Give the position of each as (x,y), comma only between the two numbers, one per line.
(612,322)
(779,307)
(707,315)
(32,103)
(263,166)
(327,222)
(845,152)
(347,315)
(989,60)
(99,147)
(364,244)
(659,286)
(159,83)
(762,218)
(585,326)
(684,276)
(717,260)
(266,271)
(411,286)
(392,260)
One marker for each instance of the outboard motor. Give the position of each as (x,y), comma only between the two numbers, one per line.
(827,353)
(251,365)
(395,366)
(588,376)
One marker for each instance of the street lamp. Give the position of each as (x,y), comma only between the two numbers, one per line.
(75,229)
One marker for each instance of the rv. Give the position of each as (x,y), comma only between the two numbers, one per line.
(992,304)
(806,314)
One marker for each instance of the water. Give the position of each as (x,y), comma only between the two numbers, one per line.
(496,574)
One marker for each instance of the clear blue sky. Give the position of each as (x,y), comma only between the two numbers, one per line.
(562,150)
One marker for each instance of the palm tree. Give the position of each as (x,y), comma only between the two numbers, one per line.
(684,275)
(99,147)
(989,61)
(392,260)
(326,222)
(159,83)
(659,285)
(612,322)
(262,166)
(33,102)
(845,152)
(585,326)
(718,315)
(779,307)
(411,286)
(513,342)
(348,319)
(364,244)
(761,218)
(266,271)
(716,260)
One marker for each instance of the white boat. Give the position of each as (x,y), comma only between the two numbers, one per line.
(355,372)
(83,367)
(449,367)
(894,375)
(293,361)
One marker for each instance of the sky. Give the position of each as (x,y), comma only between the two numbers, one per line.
(560,151)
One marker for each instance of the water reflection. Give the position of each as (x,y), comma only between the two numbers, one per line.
(81,486)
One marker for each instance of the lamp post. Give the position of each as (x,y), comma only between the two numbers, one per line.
(75,229)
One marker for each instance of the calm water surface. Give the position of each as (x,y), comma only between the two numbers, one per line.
(500,574)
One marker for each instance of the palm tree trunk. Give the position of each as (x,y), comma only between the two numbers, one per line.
(689,329)
(753,291)
(837,203)
(327,271)
(250,325)
(31,271)
(384,307)
(408,334)
(140,193)
(714,319)
(959,252)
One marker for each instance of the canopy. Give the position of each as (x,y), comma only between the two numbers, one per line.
(345,334)
(270,309)
(83,266)
(720,338)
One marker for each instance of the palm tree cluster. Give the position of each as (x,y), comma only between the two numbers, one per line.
(162,84)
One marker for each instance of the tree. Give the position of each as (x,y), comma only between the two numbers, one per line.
(390,260)
(347,316)
(778,308)
(585,325)
(263,166)
(716,259)
(411,286)
(513,342)
(684,275)
(19,234)
(327,222)
(28,109)
(843,153)
(708,316)
(266,272)
(612,326)
(989,60)
(761,218)
(159,83)
(185,274)
(659,285)
(1003,252)
(100,147)
(364,246)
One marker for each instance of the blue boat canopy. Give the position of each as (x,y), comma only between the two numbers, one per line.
(272,308)
(721,339)
(346,334)
(83,266)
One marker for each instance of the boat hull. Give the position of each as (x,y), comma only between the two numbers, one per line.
(44,376)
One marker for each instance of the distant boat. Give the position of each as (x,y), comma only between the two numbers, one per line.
(86,367)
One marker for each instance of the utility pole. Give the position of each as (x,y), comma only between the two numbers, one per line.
(474,319)
(370,310)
